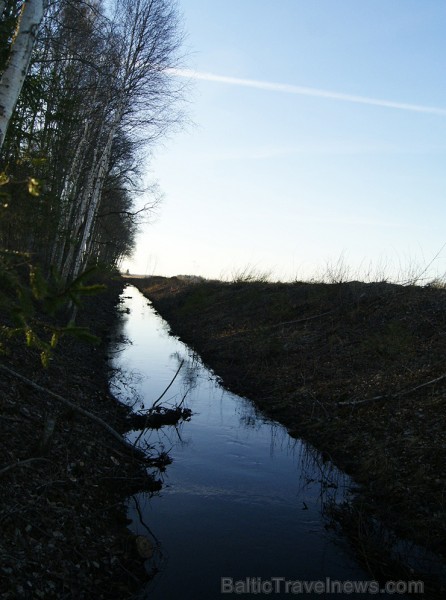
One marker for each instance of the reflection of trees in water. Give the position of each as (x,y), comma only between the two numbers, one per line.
(190,371)
(317,469)
(317,472)
(318,475)
(168,437)
(125,386)
(378,548)
(156,559)
(117,337)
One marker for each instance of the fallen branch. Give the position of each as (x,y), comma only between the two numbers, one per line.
(328,312)
(275,325)
(366,400)
(159,418)
(70,404)
(392,396)
(432,381)
(21,463)
(150,412)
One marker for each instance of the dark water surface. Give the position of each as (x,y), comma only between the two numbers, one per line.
(242,499)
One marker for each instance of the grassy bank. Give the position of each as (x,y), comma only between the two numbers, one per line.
(63,522)
(357,369)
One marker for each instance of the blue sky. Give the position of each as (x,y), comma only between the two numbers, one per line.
(318,136)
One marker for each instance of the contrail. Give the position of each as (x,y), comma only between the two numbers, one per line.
(305,91)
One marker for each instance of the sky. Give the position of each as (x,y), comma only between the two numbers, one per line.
(315,143)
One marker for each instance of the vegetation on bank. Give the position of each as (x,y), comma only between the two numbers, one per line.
(63,477)
(357,369)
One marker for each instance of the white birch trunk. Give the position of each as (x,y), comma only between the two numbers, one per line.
(95,198)
(80,213)
(15,72)
(80,210)
(67,199)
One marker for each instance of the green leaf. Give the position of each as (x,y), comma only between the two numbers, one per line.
(45,358)
(33,186)
(29,336)
(54,339)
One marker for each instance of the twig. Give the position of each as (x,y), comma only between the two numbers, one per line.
(143,523)
(422,385)
(365,400)
(63,400)
(183,398)
(298,320)
(170,384)
(149,412)
(395,395)
(21,463)
(263,328)
(416,278)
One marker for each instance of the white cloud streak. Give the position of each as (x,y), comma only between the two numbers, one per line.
(306,91)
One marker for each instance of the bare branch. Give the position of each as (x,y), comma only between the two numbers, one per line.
(73,406)
(392,396)
(22,463)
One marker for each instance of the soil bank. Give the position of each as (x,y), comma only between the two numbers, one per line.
(62,518)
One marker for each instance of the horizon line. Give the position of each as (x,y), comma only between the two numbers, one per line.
(305,91)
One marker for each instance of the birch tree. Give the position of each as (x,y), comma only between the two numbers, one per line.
(98,81)
(13,76)
(143,43)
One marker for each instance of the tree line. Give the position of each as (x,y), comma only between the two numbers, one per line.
(85,92)
(96,96)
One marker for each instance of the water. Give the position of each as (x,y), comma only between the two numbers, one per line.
(242,499)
